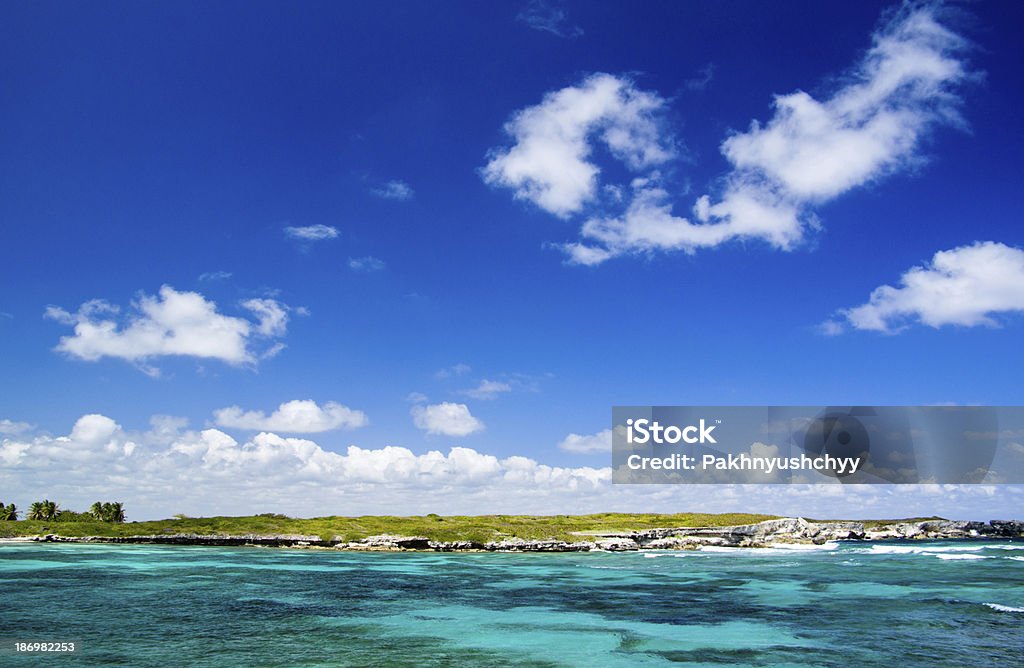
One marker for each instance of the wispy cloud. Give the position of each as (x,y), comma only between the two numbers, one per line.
(549,16)
(366,264)
(487,389)
(399,190)
(312,232)
(459,369)
(211,276)
(11,427)
(809,152)
(703,78)
(171,323)
(966,286)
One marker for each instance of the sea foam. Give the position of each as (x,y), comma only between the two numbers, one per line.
(1004,608)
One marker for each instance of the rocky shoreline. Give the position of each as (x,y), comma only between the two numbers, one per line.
(771,533)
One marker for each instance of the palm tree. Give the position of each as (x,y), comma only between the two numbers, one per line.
(108,512)
(115,512)
(8,513)
(36,511)
(50,510)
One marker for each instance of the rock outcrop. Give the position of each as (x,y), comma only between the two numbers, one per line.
(386,542)
(267,540)
(786,530)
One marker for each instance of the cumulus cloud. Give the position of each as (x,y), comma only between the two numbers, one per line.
(94,428)
(550,163)
(487,389)
(312,232)
(171,323)
(446,419)
(966,286)
(549,16)
(171,469)
(588,444)
(366,264)
(399,190)
(293,417)
(810,151)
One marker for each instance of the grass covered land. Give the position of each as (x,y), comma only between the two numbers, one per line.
(482,528)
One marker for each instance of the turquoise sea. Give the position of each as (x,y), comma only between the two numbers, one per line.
(891,604)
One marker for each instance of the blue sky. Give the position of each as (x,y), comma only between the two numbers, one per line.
(350,204)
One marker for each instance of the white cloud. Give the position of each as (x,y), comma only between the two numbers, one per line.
(548,16)
(965,286)
(446,419)
(293,417)
(487,389)
(588,444)
(399,190)
(818,150)
(366,264)
(11,427)
(808,152)
(549,164)
(93,429)
(459,369)
(830,328)
(648,224)
(417,398)
(312,232)
(170,323)
(272,316)
(215,276)
(171,469)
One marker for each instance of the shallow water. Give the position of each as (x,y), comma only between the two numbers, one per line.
(913,603)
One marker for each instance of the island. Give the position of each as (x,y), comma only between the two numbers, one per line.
(509,533)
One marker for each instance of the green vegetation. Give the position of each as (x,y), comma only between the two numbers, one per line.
(8,513)
(874,524)
(50,511)
(108,512)
(481,528)
(43,510)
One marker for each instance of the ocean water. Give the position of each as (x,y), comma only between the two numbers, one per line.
(892,604)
